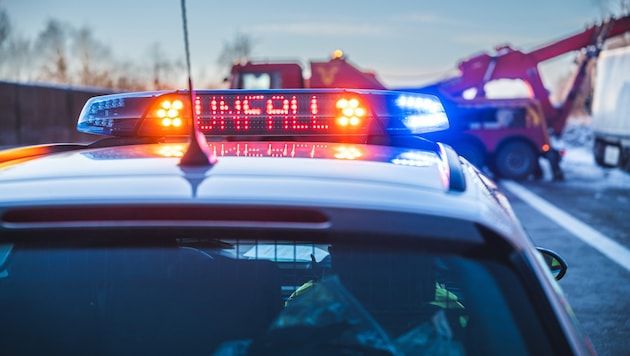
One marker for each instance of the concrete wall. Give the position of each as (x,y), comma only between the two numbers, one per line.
(34,114)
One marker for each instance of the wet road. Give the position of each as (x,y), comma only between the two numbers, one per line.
(597,286)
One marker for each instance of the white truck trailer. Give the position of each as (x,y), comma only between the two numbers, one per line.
(611,109)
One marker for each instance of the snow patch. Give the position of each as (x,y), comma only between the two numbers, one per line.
(578,162)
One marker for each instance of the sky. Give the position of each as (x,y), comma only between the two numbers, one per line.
(405,42)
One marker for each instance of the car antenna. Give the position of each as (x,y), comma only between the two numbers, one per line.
(198,154)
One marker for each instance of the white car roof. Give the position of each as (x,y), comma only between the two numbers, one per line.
(370,178)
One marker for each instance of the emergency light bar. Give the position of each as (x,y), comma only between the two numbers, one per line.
(302,112)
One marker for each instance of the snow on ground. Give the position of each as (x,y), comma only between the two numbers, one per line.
(579,164)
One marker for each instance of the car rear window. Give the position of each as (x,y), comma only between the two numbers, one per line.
(244,296)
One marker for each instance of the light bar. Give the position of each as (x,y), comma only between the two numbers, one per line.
(302,112)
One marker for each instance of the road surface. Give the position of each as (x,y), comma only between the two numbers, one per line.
(586,219)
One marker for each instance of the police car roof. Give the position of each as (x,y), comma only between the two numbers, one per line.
(344,160)
(334,186)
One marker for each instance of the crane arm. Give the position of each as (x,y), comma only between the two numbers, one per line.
(594,35)
(508,63)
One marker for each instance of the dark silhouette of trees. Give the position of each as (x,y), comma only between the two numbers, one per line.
(14,52)
(612,7)
(5,27)
(63,54)
(52,45)
(94,57)
(238,49)
(164,71)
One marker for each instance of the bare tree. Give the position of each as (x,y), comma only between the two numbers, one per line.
(163,69)
(612,7)
(5,29)
(129,76)
(52,43)
(94,57)
(15,52)
(238,49)
(19,59)
(63,54)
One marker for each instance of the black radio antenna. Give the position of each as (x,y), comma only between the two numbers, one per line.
(197,154)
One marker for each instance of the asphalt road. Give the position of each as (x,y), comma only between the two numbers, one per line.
(596,286)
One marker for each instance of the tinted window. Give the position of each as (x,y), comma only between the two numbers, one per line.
(268,297)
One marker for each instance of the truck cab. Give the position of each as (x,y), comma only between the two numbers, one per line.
(506,135)
(334,73)
(266,76)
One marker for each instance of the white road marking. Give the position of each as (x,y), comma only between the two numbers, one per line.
(603,244)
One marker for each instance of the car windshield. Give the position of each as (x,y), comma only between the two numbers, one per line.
(236,296)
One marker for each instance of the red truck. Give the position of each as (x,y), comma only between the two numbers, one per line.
(335,73)
(505,135)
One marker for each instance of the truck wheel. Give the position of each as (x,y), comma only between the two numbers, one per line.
(515,160)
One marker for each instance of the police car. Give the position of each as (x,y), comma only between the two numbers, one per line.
(268,222)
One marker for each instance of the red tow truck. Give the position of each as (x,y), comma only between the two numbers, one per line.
(335,73)
(511,149)
(506,135)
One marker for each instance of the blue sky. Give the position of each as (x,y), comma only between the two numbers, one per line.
(404,42)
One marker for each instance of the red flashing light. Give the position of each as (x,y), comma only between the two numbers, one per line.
(280,114)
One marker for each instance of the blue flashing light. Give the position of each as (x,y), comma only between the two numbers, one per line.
(423,113)
(115,114)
